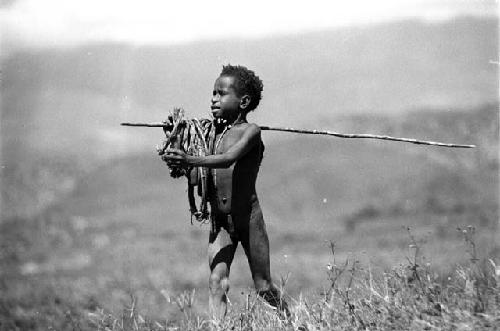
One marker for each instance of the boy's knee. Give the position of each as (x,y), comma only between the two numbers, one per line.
(219,285)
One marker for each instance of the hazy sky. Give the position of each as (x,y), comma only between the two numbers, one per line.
(26,23)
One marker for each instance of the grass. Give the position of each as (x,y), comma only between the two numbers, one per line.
(357,295)
(410,296)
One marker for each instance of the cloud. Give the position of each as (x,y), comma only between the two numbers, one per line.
(34,23)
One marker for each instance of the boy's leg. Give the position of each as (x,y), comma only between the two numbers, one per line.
(256,246)
(221,248)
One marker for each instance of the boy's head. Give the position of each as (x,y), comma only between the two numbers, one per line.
(245,82)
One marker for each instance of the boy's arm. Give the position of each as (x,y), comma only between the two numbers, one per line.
(250,137)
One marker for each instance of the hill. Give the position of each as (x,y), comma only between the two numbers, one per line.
(61,107)
(392,68)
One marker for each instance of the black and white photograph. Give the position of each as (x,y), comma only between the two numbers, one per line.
(249,165)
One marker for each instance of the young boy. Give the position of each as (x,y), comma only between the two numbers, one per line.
(236,213)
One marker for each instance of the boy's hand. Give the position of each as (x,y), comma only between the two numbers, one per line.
(175,157)
(160,148)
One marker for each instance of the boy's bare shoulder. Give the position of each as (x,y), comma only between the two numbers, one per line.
(251,128)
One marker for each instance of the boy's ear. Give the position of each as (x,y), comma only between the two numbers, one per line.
(245,101)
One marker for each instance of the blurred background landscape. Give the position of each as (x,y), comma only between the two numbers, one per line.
(90,216)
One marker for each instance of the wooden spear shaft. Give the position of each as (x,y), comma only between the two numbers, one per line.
(331,133)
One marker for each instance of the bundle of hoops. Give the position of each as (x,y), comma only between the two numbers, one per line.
(194,137)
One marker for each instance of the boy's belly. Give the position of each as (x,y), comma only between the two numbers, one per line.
(222,191)
(234,191)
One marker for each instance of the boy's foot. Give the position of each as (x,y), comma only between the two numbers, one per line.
(274,300)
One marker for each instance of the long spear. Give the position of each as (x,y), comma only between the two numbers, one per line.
(330,133)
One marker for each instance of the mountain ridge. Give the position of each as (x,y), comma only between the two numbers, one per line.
(61,109)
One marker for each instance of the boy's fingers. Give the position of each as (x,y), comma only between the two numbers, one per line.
(172,157)
(160,148)
(169,160)
(174,151)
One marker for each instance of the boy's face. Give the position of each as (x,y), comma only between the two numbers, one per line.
(225,100)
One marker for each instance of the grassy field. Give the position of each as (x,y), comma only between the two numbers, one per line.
(114,248)
(105,290)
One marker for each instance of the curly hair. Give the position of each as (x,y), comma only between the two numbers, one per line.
(246,82)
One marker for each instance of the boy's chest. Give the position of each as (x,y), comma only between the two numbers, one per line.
(225,140)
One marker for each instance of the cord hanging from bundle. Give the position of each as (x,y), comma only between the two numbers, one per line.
(194,137)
